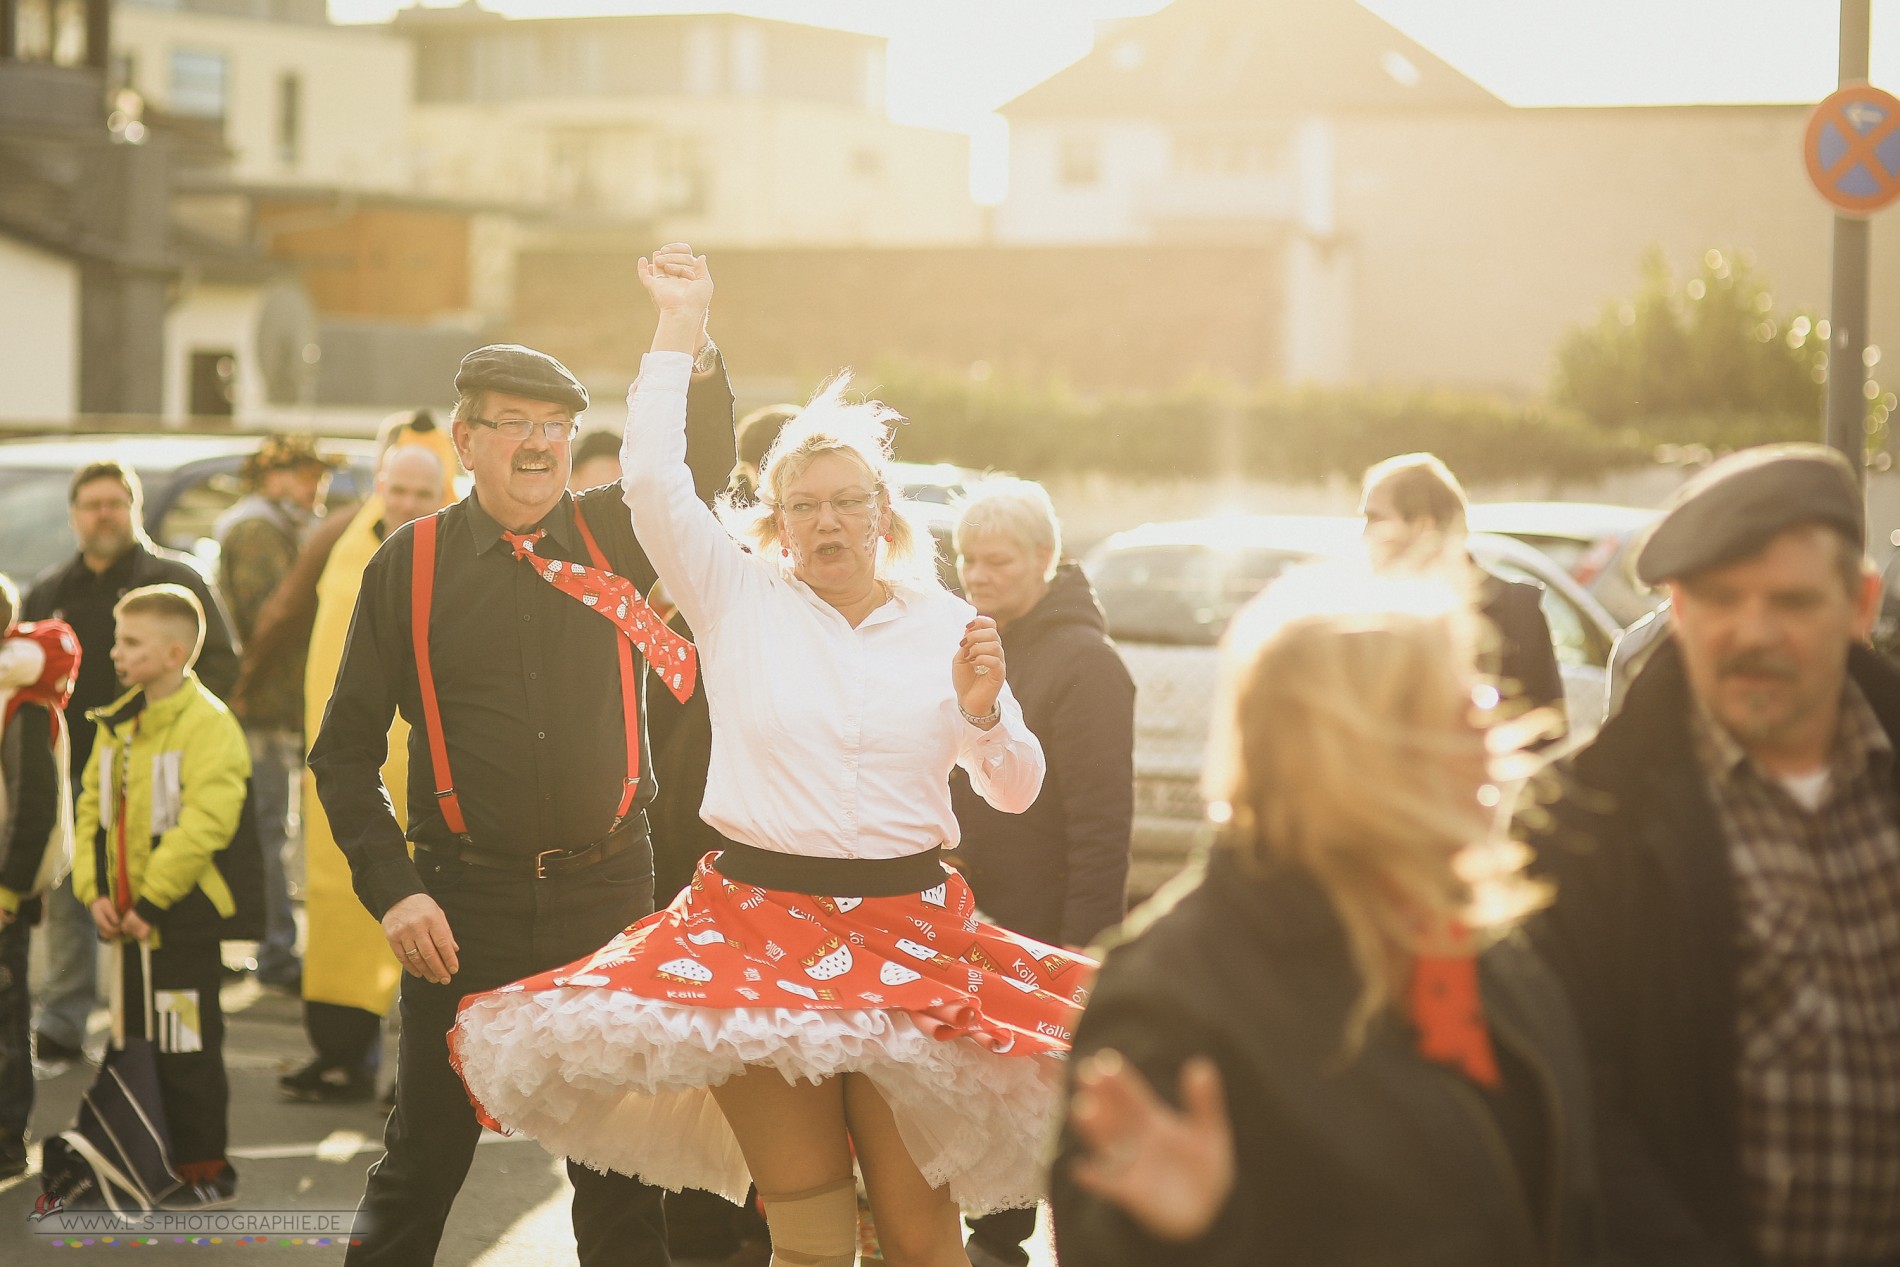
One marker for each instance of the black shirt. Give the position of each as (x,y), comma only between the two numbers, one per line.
(526,677)
(84,599)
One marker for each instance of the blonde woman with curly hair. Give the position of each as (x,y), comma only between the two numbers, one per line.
(823,989)
(1329,1047)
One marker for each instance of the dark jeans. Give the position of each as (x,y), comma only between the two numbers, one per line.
(16,1029)
(508,926)
(1004,1232)
(191,1084)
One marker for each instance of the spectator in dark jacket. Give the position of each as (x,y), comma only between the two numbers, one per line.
(1414,509)
(107,508)
(1059,871)
(1370,1068)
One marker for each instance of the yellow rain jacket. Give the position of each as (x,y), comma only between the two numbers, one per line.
(172,774)
(347,960)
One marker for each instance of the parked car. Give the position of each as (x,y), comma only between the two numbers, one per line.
(189,481)
(1594,542)
(1169,590)
(931,490)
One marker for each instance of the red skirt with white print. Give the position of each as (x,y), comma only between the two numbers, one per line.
(961,1025)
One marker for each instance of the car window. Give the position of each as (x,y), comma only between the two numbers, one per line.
(190,521)
(35,532)
(1183,595)
(195,507)
(1570,634)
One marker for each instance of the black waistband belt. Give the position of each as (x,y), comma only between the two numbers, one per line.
(549,863)
(831,877)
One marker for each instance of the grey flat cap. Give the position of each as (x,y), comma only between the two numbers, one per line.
(1736,506)
(519,371)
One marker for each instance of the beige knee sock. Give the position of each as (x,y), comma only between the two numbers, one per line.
(814,1228)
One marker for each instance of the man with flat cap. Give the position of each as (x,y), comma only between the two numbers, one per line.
(1726,856)
(497,629)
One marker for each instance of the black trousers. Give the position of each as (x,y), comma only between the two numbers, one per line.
(508,927)
(346,1038)
(191,1083)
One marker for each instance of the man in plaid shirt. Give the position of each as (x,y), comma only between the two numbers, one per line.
(1726,855)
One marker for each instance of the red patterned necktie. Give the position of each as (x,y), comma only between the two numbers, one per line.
(1448,1012)
(674,658)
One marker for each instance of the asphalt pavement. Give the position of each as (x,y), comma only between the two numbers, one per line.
(308,1161)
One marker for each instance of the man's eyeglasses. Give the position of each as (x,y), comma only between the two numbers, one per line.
(555,429)
(849,505)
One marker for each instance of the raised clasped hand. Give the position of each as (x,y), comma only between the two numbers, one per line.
(678,280)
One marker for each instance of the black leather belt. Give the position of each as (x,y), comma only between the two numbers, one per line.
(831,877)
(549,863)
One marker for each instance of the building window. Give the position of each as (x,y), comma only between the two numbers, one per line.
(33,30)
(1080,162)
(213,376)
(289,118)
(69,33)
(199,84)
(748,61)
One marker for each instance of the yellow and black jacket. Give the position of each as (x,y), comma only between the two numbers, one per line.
(163,793)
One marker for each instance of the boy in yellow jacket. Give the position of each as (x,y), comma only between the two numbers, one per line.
(162,795)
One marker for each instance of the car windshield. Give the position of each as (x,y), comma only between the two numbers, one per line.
(1182,594)
(34,530)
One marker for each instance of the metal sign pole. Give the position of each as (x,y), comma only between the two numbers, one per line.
(1846,359)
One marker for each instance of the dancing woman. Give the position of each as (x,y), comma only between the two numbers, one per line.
(823,987)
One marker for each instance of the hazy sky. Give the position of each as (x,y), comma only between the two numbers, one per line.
(952,62)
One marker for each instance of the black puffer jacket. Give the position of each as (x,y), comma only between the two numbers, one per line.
(1386,1158)
(1059,871)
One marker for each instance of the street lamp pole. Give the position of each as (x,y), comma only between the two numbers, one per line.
(1847,344)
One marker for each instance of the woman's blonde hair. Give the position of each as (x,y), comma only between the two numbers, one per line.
(1340,700)
(860,430)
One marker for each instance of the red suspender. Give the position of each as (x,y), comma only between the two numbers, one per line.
(629,682)
(421,592)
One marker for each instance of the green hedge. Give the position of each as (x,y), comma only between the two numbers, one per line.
(1297,435)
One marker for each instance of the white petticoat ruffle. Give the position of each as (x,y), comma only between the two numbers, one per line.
(620,1082)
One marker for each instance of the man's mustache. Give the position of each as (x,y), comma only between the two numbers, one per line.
(1757,664)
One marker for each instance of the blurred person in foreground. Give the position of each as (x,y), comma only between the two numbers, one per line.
(35,675)
(1328,1047)
(106,506)
(258,542)
(823,988)
(349,974)
(1727,860)
(1057,872)
(1415,509)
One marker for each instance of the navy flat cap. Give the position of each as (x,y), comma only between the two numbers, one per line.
(519,371)
(1740,503)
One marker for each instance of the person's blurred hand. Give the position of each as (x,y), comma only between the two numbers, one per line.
(133,925)
(1171,1172)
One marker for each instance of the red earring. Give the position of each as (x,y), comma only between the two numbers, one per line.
(785,551)
(889,537)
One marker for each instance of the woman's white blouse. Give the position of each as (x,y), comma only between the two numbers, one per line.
(827,741)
